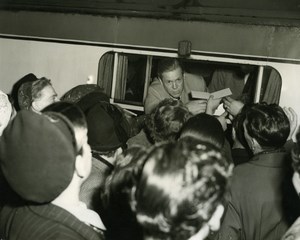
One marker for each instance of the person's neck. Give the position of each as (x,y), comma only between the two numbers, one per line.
(70,196)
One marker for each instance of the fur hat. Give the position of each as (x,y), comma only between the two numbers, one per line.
(38,154)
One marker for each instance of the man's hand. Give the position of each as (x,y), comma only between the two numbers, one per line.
(232,106)
(197,106)
(212,105)
(293,118)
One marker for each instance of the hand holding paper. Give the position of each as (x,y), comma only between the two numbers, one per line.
(196,106)
(205,95)
(212,105)
(232,106)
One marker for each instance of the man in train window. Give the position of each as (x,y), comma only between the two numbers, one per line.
(173,82)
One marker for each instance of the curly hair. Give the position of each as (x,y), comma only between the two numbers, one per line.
(120,220)
(268,124)
(166,121)
(179,188)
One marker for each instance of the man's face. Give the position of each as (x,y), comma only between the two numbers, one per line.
(173,82)
(48,96)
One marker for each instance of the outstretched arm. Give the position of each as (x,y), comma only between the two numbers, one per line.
(232,106)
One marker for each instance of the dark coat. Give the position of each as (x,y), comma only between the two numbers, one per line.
(47,222)
(255,203)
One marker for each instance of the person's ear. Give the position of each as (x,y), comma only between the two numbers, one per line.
(255,145)
(160,80)
(81,168)
(35,105)
(296,182)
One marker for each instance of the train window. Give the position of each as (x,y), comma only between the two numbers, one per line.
(130,73)
(248,83)
(105,72)
(126,77)
(270,87)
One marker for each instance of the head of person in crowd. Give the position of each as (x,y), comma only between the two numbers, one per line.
(170,74)
(36,95)
(180,190)
(15,89)
(266,127)
(205,128)
(107,126)
(6,111)
(75,115)
(121,221)
(166,120)
(78,92)
(41,159)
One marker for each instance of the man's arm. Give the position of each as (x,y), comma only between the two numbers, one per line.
(152,100)
(217,81)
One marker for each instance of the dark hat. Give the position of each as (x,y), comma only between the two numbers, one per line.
(37,154)
(78,92)
(15,90)
(91,99)
(105,124)
(25,95)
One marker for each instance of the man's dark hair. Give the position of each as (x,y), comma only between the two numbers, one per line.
(268,124)
(168,64)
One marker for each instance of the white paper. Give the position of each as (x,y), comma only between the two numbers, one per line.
(205,95)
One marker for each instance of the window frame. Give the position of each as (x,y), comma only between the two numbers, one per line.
(197,56)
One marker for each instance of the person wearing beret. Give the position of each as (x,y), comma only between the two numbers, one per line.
(45,160)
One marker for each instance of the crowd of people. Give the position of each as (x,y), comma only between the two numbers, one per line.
(80,167)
